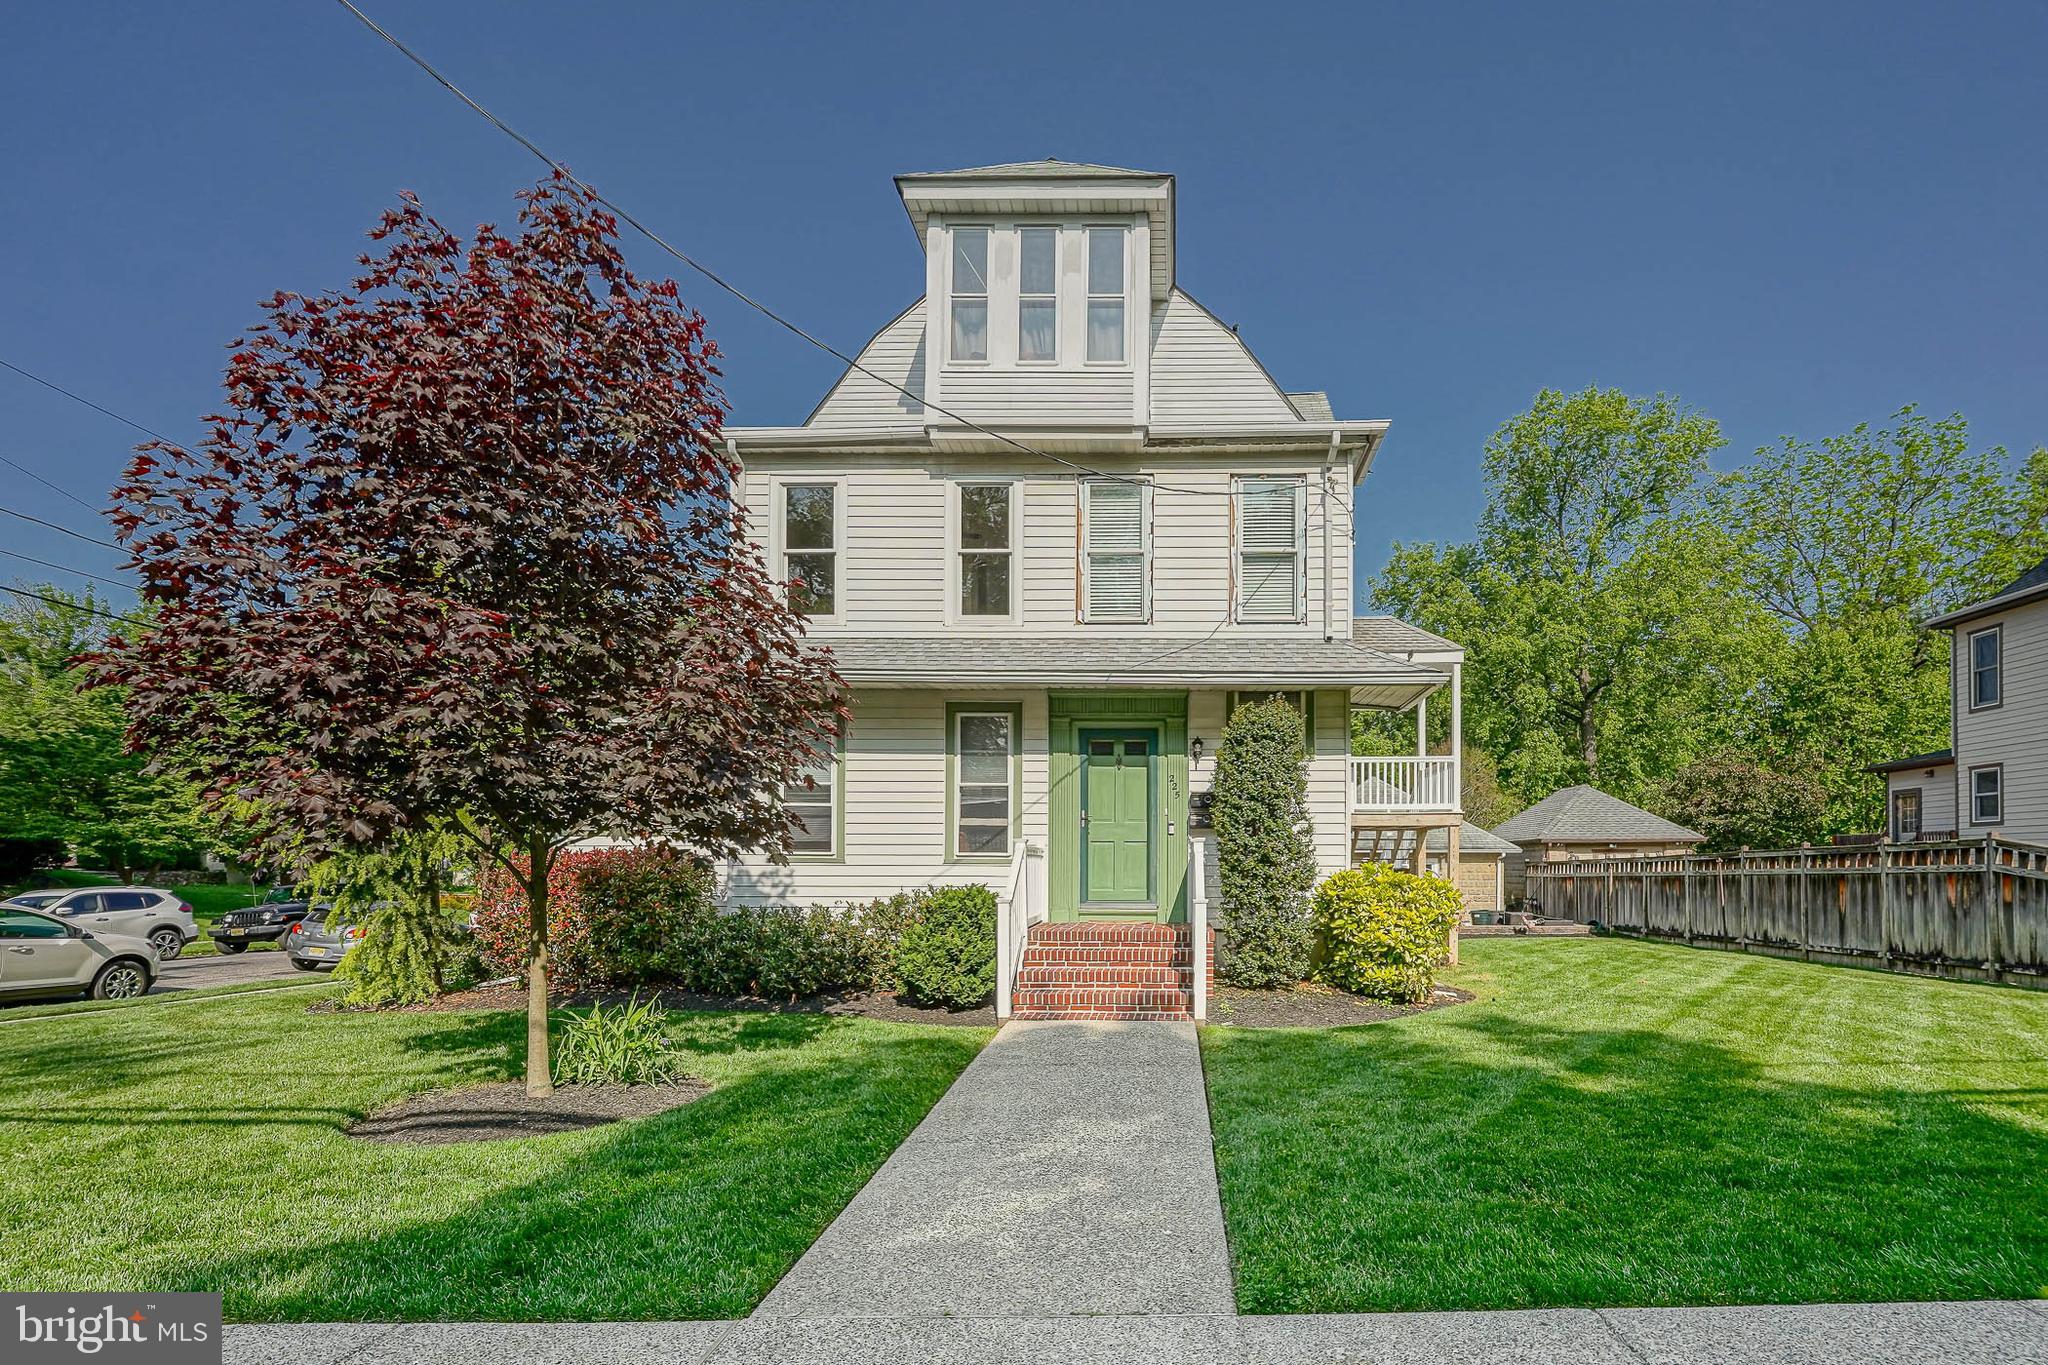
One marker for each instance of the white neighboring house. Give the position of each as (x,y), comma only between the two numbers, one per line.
(1993,778)
(1042,644)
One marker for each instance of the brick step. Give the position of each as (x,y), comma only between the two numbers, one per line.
(1118,974)
(1062,1000)
(1108,955)
(1108,1016)
(1086,931)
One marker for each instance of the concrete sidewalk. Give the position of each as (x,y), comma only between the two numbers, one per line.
(1068,1170)
(1847,1334)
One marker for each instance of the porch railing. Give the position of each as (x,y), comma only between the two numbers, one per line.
(1404,784)
(1019,905)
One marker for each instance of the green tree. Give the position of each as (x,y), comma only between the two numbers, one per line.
(1738,802)
(1265,854)
(1604,644)
(410,942)
(65,771)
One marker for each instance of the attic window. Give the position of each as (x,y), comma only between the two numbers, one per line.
(969,294)
(1106,325)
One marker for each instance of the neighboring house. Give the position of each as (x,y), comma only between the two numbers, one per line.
(1091,526)
(1585,822)
(1993,777)
(1481,869)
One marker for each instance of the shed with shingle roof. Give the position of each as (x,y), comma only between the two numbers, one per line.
(1585,822)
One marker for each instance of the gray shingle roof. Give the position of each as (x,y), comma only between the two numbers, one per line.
(1472,839)
(2026,588)
(1395,635)
(1585,814)
(1938,758)
(1312,406)
(1226,662)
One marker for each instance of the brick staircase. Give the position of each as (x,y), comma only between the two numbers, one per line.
(1108,971)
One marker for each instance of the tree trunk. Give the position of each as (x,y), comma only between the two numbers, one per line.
(539,1076)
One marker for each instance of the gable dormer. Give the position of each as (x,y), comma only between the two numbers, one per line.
(1041,279)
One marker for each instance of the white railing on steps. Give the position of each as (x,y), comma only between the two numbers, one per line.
(1019,905)
(1198,923)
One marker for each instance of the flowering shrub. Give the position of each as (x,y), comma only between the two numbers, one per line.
(616,917)
(1383,932)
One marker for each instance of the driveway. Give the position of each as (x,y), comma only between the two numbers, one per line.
(193,973)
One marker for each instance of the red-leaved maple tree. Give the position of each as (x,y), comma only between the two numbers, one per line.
(462,549)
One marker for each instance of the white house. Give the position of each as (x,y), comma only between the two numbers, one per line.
(1994,776)
(1052,525)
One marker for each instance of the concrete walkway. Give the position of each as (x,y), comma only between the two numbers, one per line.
(1067,1171)
(1841,1334)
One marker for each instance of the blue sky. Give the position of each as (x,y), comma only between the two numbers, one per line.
(1795,217)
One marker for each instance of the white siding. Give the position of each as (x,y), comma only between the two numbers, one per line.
(861,402)
(894,569)
(894,825)
(2014,733)
(1202,375)
(1026,398)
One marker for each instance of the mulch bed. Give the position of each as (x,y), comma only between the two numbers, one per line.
(867,1005)
(1311,1006)
(494,1113)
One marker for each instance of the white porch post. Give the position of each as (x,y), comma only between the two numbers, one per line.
(1422,726)
(1458,733)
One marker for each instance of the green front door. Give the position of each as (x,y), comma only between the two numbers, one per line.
(1117,799)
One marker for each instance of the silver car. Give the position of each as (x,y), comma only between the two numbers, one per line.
(41,955)
(135,911)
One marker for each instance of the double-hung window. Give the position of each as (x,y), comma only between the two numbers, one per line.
(810,547)
(968,294)
(985,552)
(1116,546)
(1272,538)
(1987,795)
(1987,681)
(1038,295)
(1106,312)
(985,766)
(811,803)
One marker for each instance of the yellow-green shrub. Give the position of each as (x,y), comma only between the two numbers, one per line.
(1383,932)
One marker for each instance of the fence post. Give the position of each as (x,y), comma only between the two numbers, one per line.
(1994,908)
(1884,902)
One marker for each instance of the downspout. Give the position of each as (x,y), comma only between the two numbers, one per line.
(1329,467)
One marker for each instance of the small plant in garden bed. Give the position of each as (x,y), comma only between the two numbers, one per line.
(1383,932)
(625,1045)
(948,953)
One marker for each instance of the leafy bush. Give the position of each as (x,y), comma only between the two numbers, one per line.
(408,952)
(1265,857)
(624,1045)
(1383,932)
(947,955)
(616,917)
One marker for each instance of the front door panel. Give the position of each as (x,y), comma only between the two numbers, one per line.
(1116,813)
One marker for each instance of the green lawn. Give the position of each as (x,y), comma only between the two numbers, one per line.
(1626,1123)
(201,1148)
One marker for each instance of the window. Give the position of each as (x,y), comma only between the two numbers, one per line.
(1906,815)
(1106,295)
(22,924)
(812,805)
(1116,540)
(984,795)
(1987,795)
(129,900)
(1038,286)
(1272,533)
(1987,685)
(86,904)
(985,521)
(810,547)
(970,294)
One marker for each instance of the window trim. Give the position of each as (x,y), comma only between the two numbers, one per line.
(954,615)
(1997,635)
(1083,500)
(837,854)
(988,237)
(1997,817)
(1919,813)
(1237,551)
(1014,711)
(779,514)
(1058,243)
(1089,296)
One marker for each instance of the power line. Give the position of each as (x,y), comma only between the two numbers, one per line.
(74,606)
(55,387)
(719,280)
(53,487)
(66,568)
(66,530)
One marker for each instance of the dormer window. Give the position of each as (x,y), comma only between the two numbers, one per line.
(968,304)
(1038,294)
(1106,313)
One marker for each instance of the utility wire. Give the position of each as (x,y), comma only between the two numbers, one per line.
(66,530)
(53,487)
(66,568)
(74,606)
(108,412)
(719,280)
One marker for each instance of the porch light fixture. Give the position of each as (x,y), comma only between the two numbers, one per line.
(1195,752)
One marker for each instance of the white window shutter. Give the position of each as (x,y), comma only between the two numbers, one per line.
(1269,538)
(1113,519)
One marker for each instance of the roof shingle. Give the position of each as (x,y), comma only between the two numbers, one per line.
(1584,814)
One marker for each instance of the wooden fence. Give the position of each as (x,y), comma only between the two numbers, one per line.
(1972,909)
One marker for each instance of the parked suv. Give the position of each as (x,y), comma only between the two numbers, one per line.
(265,923)
(42,955)
(143,912)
